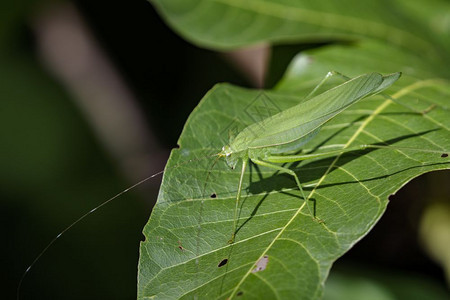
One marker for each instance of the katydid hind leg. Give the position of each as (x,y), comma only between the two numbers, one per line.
(321,83)
(415,111)
(292,173)
(388,97)
(329,75)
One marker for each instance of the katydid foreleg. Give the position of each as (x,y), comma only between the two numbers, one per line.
(238,197)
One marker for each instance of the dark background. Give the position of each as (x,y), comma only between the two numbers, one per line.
(54,167)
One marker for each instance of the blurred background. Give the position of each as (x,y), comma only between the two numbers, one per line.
(93,96)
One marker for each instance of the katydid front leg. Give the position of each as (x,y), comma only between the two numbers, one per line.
(238,197)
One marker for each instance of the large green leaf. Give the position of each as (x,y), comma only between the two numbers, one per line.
(222,24)
(186,254)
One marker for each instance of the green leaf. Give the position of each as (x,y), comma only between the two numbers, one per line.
(186,254)
(411,27)
(222,24)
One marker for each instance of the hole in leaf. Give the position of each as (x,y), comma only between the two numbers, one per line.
(391,196)
(213,195)
(180,246)
(261,264)
(444,155)
(239,294)
(223,262)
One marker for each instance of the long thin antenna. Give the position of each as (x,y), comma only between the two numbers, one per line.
(93,210)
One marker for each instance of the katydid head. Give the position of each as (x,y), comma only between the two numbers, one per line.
(231,159)
(226,151)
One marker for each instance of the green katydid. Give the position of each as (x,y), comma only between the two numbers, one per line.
(264,142)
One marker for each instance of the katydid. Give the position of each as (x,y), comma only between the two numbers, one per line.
(265,142)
